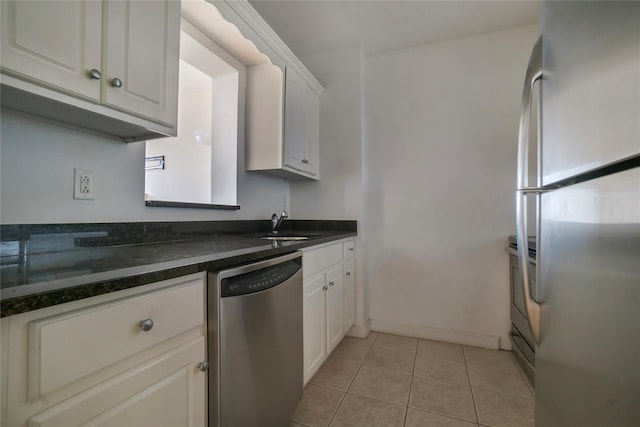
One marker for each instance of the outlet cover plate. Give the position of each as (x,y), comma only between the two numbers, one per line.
(83,184)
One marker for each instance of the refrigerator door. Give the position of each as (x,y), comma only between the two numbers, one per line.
(590,87)
(588,359)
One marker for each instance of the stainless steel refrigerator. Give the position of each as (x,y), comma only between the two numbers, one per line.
(585,310)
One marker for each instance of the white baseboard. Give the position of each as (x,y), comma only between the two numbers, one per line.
(425,332)
(360,331)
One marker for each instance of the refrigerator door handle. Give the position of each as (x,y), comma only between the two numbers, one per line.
(532,190)
(534,74)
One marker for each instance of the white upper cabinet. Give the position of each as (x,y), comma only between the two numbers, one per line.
(106,66)
(302,114)
(55,43)
(283,114)
(141,76)
(282,101)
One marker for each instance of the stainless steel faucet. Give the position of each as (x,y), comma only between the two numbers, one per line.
(276,222)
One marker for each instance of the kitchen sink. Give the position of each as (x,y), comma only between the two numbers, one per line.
(287,236)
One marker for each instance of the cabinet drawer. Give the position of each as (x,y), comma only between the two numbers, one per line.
(320,259)
(348,249)
(66,347)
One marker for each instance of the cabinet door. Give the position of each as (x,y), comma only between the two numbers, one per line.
(311,131)
(264,117)
(349,295)
(335,307)
(166,391)
(142,57)
(294,120)
(314,308)
(53,43)
(302,110)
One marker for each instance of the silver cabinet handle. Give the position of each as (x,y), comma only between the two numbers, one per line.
(116,82)
(332,283)
(348,273)
(146,325)
(534,74)
(95,74)
(203,366)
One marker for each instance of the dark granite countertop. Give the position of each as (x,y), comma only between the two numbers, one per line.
(44,265)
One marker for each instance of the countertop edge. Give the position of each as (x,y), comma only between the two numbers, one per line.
(125,279)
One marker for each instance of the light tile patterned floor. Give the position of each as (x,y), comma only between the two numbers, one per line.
(390,380)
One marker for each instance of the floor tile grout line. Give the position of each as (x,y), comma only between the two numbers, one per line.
(329,387)
(413,371)
(447,414)
(344,393)
(473,398)
(501,393)
(337,409)
(495,365)
(388,402)
(352,380)
(440,356)
(513,364)
(467,362)
(406,406)
(520,375)
(437,379)
(377,399)
(441,414)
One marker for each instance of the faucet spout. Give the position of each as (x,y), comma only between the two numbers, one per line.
(277,222)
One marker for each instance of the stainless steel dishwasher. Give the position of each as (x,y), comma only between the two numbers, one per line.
(255,343)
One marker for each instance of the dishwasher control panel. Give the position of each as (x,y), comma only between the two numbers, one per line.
(259,280)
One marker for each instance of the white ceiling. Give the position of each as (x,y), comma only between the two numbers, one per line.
(312,26)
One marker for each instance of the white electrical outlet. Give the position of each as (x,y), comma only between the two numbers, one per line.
(83,184)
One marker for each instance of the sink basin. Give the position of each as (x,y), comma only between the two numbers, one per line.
(288,235)
(284,237)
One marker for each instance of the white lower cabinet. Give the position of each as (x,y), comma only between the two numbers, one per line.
(329,301)
(127,358)
(335,307)
(349,294)
(164,391)
(315,325)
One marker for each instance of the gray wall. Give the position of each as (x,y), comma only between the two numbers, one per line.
(36,177)
(339,192)
(419,145)
(442,122)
